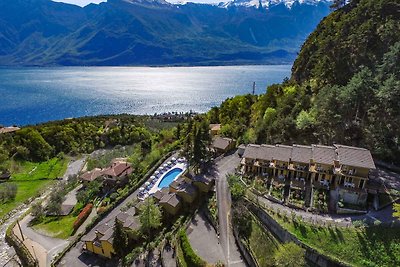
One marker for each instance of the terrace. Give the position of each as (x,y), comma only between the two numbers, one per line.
(163,177)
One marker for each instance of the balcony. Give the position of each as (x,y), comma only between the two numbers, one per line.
(279,180)
(283,166)
(323,184)
(298,183)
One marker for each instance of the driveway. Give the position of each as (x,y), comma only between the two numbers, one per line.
(41,246)
(224,166)
(204,241)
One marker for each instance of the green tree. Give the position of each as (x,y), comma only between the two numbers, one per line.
(37,211)
(120,239)
(8,191)
(236,187)
(150,217)
(289,255)
(39,149)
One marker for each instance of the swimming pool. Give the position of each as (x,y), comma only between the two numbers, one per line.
(169,177)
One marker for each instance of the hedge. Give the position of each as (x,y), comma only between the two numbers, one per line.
(83,215)
(191,258)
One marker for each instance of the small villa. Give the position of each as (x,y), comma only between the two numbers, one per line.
(116,174)
(342,172)
(100,241)
(221,145)
(215,129)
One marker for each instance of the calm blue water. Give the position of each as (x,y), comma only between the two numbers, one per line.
(169,177)
(34,95)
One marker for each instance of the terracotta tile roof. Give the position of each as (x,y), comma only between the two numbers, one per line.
(171,199)
(118,169)
(354,156)
(323,154)
(222,143)
(91,175)
(301,154)
(282,153)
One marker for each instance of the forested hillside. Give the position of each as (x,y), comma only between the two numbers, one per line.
(146,32)
(83,135)
(345,87)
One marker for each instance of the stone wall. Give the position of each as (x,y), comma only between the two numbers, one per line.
(243,249)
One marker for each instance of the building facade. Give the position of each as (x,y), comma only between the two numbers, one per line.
(342,170)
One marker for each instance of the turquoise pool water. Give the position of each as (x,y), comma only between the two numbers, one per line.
(169,177)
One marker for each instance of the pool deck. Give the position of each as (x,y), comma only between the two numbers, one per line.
(180,165)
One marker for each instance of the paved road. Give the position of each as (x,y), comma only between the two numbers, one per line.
(223,167)
(74,167)
(44,247)
(204,241)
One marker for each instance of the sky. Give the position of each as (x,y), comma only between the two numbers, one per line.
(86,2)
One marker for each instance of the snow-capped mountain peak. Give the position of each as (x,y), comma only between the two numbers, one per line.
(268,3)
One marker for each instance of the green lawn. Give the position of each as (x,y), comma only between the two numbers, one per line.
(373,246)
(58,227)
(31,178)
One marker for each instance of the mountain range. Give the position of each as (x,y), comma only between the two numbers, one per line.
(155,32)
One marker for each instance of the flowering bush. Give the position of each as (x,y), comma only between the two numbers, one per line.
(83,215)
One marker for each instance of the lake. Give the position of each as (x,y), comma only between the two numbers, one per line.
(35,95)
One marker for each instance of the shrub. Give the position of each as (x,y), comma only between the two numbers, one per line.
(82,216)
(8,192)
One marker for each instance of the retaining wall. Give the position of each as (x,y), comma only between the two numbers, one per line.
(285,236)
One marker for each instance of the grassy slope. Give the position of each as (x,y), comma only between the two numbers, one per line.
(58,227)
(373,246)
(31,181)
(263,244)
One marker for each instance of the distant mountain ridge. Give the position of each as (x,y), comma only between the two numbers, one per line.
(154,32)
(270,3)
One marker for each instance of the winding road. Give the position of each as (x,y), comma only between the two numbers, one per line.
(224,166)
